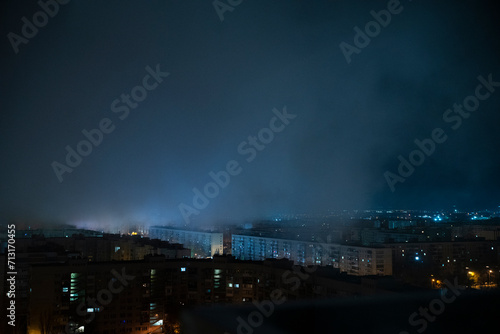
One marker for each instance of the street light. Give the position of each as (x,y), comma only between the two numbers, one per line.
(472,274)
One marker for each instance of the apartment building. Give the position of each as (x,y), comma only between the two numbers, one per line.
(202,244)
(354,260)
(146,296)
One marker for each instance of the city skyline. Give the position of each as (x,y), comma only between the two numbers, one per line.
(249,166)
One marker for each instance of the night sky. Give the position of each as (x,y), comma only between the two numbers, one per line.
(352,120)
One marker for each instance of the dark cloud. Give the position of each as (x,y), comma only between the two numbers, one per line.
(353,120)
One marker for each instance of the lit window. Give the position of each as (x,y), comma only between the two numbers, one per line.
(230,285)
(236,285)
(183,269)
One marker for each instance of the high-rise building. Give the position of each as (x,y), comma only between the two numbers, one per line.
(202,244)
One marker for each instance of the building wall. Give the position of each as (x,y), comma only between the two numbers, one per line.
(371,236)
(107,248)
(202,244)
(476,231)
(444,259)
(95,296)
(351,259)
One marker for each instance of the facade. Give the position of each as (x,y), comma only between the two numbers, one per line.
(63,232)
(451,257)
(110,247)
(146,296)
(354,260)
(476,232)
(202,244)
(401,223)
(116,297)
(371,236)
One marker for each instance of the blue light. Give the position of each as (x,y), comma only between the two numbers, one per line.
(417,258)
